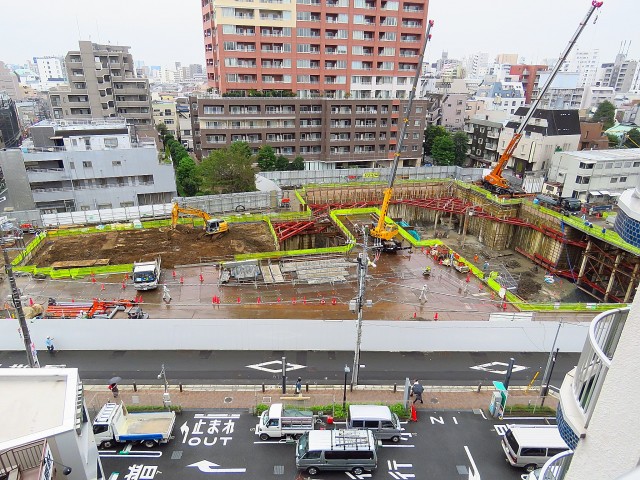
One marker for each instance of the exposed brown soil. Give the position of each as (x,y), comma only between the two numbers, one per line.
(528,287)
(183,246)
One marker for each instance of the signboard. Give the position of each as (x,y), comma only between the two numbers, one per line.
(371,174)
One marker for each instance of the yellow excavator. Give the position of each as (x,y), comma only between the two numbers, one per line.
(212,226)
(384,232)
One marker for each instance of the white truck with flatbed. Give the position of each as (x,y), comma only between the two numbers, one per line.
(114,424)
(146,275)
(279,422)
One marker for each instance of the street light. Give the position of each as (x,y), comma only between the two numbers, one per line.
(166,399)
(347,370)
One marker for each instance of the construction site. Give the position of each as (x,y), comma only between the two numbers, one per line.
(484,254)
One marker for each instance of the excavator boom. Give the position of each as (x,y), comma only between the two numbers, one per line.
(212,225)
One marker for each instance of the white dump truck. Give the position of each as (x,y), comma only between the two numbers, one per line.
(146,275)
(278,422)
(114,424)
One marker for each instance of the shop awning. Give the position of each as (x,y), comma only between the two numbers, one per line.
(614,194)
(595,193)
(605,192)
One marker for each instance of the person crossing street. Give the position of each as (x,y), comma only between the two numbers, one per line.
(417,391)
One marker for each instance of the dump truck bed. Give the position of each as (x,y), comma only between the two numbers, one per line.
(146,425)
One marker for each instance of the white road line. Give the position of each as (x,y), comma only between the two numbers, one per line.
(473,475)
(482,413)
(398,446)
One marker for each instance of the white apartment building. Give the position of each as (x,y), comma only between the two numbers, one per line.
(477,65)
(586,63)
(164,111)
(45,426)
(563,94)
(593,96)
(547,131)
(595,175)
(620,74)
(52,72)
(85,165)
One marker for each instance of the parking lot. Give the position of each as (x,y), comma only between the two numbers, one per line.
(220,443)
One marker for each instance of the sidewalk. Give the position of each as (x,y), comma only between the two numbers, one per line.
(247,397)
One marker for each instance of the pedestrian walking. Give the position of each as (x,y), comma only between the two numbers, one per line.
(166,296)
(299,386)
(49,343)
(417,390)
(114,389)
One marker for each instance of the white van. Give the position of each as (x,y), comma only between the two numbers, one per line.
(343,450)
(530,446)
(384,424)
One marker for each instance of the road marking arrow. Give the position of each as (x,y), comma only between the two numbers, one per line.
(474,474)
(205,466)
(277,366)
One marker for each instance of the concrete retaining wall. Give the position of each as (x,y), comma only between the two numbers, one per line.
(248,334)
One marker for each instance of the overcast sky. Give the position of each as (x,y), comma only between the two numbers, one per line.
(161,32)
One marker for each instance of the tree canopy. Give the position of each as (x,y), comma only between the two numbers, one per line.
(430,134)
(228,170)
(633,139)
(605,113)
(443,150)
(461,146)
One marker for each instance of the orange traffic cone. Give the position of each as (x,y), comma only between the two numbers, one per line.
(435,316)
(414,414)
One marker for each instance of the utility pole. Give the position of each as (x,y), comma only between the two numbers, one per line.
(15,297)
(546,376)
(363,265)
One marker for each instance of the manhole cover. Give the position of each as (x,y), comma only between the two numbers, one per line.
(228,399)
(176,455)
(278,469)
(435,400)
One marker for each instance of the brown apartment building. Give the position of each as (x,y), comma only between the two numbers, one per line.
(330,56)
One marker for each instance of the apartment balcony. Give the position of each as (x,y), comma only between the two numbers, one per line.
(40,175)
(52,194)
(495,135)
(132,103)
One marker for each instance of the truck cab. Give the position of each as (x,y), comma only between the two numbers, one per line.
(146,275)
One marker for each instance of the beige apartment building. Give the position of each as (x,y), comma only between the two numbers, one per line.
(103,84)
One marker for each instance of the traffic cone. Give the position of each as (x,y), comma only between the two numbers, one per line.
(414,414)
(279,299)
(259,301)
(415,315)
(304,299)
(504,306)
(213,300)
(102,287)
(93,279)
(293,301)
(238,300)
(322,302)
(468,277)
(201,278)
(124,285)
(174,274)
(435,316)
(181,279)
(333,301)
(30,302)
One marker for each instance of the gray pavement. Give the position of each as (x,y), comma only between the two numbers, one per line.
(247,397)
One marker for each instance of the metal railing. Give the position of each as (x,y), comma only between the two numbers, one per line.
(595,360)
(25,457)
(557,466)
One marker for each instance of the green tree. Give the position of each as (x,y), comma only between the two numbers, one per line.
(298,163)
(282,163)
(430,134)
(187,177)
(605,113)
(633,138)
(266,158)
(444,150)
(229,170)
(461,144)
(162,131)
(614,141)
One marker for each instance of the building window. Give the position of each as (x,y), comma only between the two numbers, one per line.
(580,180)
(623,179)
(116,163)
(87,164)
(613,180)
(111,142)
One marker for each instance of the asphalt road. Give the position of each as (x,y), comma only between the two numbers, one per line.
(322,368)
(221,444)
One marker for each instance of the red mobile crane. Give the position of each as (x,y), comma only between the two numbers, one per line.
(494,181)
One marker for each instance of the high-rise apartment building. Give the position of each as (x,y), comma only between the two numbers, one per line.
(51,71)
(585,62)
(332,48)
(103,84)
(337,74)
(507,58)
(619,75)
(528,75)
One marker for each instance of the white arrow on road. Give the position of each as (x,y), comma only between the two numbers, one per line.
(184,429)
(205,466)
(474,474)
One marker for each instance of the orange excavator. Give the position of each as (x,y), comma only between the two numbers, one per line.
(212,226)
(494,181)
